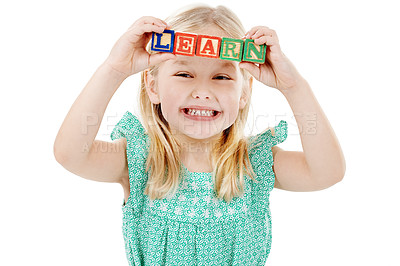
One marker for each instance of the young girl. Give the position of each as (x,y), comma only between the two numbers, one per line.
(196,189)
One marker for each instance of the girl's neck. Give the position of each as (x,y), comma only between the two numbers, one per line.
(197,161)
(196,146)
(196,155)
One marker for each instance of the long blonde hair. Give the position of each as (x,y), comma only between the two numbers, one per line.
(229,155)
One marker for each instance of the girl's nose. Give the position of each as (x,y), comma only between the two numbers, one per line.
(201,96)
(201,92)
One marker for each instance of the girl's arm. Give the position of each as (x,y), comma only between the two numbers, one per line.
(322,163)
(75,140)
(75,146)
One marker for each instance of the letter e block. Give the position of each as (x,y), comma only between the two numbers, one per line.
(208,46)
(253,52)
(231,49)
(163,42)
(185,43)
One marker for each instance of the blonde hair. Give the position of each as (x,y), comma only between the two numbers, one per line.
(229,155)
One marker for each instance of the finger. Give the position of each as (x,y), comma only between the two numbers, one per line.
(140,30)
(155,21)
(253,30)
(268,40)
(158,58)
(272,44)
(149,20)
(151,28)
(252,68)
(268,37)
(264,31)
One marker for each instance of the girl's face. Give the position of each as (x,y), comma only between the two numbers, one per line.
(187,85)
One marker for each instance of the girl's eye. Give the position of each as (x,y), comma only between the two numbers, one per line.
(222,77)
(184,75)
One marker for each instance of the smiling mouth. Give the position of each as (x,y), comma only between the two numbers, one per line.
(204,113)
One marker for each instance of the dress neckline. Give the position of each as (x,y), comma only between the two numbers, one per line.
(195,173)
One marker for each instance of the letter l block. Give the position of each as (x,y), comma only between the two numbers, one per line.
(163,42)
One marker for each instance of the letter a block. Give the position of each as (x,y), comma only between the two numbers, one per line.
(231,49)
(185,43)
(163,42)
(253,52)
(208,46)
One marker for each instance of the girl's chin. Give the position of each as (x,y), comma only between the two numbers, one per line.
(201,136)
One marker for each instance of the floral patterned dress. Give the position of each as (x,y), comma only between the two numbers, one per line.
(193,227)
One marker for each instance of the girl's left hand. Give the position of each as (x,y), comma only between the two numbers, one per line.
(277,71)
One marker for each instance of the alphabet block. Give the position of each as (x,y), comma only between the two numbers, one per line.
(185,43)
(253,52)
(208,46)
(163,42)
(231,49)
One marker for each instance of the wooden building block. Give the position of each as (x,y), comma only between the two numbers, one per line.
(231,49)
(163,42)
(185,43)
(253,52)
(208,46)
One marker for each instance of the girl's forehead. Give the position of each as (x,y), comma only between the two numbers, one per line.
(212,30)
(197,63)
(197,60)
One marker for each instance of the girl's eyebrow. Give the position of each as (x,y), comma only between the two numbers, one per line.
(181,62)
(228,64)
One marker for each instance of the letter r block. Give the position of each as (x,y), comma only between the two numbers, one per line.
(163,42)
(231,49)
(208,46)
(253,52)
(185,43)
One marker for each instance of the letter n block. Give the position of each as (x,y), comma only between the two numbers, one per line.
(163,42)
(253,52)
(231,49)
(208,46)
(185,43)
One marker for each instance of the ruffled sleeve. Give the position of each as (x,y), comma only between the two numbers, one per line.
(130,127)
(260,155)
(266,137)
(127,125)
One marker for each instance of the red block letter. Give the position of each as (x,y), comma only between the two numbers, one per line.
(185,43)
(208,46)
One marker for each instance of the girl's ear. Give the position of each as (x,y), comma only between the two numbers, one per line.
(246,93)
(149,83)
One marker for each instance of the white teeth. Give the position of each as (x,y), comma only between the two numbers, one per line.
(200,112)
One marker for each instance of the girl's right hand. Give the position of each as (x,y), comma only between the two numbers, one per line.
(129,56)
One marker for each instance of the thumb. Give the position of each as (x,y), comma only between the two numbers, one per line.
(160,57)
(252,68)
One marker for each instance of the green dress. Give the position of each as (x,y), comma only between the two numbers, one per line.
(193,227)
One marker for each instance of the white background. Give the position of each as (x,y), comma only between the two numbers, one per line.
(347,50)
